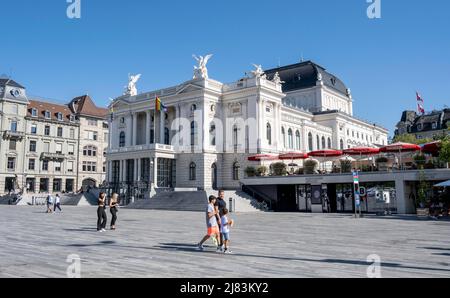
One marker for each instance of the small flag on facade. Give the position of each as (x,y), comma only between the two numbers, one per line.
(159,105)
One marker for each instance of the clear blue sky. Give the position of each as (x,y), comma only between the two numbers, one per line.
(383,61)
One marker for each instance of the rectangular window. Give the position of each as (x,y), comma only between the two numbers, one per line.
(31,164)
(60,116)
(34,113)
(33,129)
(72,133)
(12,145)
(92,135)
(59,148)
(47,130)
(89,166)
(45,165)
(92,122)
(47,147)
(57,166)
(11,163)
(71,149)
(60,132)
(14,126)
(32,146)
(47,115)
(70,167)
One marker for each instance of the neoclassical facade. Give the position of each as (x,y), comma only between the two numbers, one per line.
(205,132)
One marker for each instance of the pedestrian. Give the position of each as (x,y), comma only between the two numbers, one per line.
(49,203)
(220,206)
(101,213)
(211,223)
(226,224)
(114,208)
(58,203)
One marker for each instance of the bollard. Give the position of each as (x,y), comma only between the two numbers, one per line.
(231,206)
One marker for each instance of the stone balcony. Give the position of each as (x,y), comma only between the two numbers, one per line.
(138,148)
(14,135)
(53,156)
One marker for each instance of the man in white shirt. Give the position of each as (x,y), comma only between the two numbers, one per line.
(58,203)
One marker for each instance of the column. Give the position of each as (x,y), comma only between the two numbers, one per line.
(122,171)
(155,172)
(401,195)
(129,136)
(135,118)
(161,127)
(109,170)
(137,166)
(148,123)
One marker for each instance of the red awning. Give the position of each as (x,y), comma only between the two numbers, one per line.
(400,147)
(293,155)
(326,153)
(362,151)
(261,157)
(432,148)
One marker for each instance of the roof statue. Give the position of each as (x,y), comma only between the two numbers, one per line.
(200,71)
(131,88)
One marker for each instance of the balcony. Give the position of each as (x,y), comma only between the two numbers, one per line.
(14,135)
(53,156)
(151,147)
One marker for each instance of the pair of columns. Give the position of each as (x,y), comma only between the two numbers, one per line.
(137,170)
(134,127)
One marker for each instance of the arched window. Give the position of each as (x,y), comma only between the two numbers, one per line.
(290,139)
(90,151)
(297,140)
(342,145)
(166,136)
(122,139)
(318,142)
(329,143)
(323,143)
(269,133)
(212,134)
(236,170)
(283,136)
(192,171)
(310,142)
(193,133)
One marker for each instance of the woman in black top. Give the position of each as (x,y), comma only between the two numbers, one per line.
(113,207)
(101,213)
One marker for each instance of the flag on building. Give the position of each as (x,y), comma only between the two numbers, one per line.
(160,106)
(420,104)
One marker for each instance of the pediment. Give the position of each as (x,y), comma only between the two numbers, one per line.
(189,88)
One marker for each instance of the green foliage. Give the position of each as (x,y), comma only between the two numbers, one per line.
(279,169)
(444,154)
(310,166)
(262,171)
(346,166)
(250,172)
(422,190)
(420,160)
(408,138)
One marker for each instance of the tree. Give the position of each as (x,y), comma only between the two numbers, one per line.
(411,139)
(444,153)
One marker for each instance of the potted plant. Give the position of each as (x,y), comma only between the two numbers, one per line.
(382,163)
(261,171)
(420,160)
(279,169)
(422,210)
(310,167)
(250,172)
(346,166)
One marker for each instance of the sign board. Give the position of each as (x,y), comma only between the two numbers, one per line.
(356,177)
(357,200)
(362,191)
(387,197)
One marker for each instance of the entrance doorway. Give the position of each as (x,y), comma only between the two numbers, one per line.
(287,201)
(89,184)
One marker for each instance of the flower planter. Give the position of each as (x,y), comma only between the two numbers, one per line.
(423,213)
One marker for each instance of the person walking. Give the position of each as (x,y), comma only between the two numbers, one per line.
(114,208)
(220,206)
(211,224)
(49,203)
(57,203)
(226,224)
(101,213)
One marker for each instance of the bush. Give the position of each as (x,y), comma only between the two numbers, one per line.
(262,171)
(429,165)
(444,153)
(250,172)
(382,159)
(346,166)
(310,166)
(420,160)
(299,171)
(279,169)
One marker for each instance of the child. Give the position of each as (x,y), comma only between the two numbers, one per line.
(225,230)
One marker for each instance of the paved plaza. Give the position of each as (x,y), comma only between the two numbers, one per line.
(162,244)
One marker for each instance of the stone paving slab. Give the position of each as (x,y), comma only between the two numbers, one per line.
(162,244)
